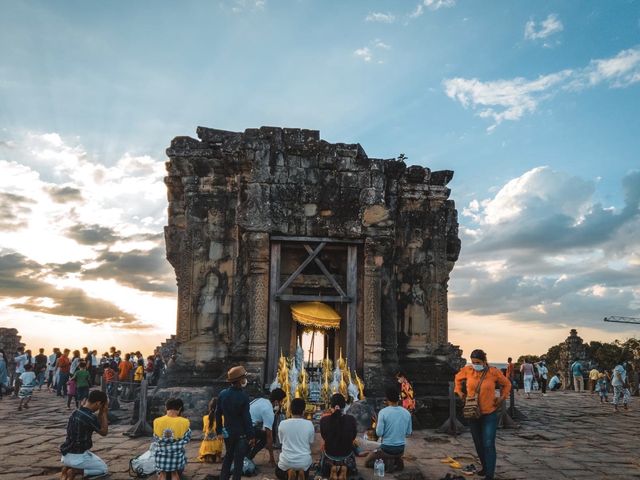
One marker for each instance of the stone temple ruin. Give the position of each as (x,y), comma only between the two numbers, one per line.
(263,219)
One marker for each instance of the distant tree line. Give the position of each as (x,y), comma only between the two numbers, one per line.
(600,354)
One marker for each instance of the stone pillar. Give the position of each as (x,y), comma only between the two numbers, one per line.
(372,316)
(257,298)
(185,270)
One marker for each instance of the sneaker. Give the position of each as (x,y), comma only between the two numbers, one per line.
(481,473)
(469,470)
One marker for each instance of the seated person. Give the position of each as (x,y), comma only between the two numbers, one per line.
(338,432)
(394,425)
(296,435)
(171,434)
(555,383)
(262,413)
(211,446)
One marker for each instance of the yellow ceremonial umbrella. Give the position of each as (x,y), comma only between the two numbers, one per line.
(315,315)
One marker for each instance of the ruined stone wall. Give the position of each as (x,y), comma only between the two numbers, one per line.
(10,341)
(228,192)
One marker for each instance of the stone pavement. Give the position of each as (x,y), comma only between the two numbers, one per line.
(565,436)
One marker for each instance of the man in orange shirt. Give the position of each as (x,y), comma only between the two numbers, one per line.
(63,364)
(483,429)
(124,368)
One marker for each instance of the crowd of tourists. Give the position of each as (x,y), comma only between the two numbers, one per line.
(236,428)
(71,374)
(534,376)
(241,427)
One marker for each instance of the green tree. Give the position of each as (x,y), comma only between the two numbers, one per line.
(532,359)
(553,358)
(607,355)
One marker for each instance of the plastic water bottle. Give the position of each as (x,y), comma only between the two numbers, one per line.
(378,468)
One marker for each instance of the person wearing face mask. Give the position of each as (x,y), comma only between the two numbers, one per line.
(483,429)
(233,422)
(263,412)
(543,373)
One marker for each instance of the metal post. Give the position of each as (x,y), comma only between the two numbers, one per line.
(505,420)
(452,426)
(512,403)
(141,427)
(114,403)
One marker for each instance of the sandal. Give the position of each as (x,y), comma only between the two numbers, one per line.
(452,462)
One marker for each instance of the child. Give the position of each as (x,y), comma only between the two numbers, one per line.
(211,446)
(27,384)
(72,392)
(139,373)
(109,377)
(171,434)
(601,388)
(81,378)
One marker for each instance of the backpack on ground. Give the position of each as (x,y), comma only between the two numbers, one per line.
(143,465)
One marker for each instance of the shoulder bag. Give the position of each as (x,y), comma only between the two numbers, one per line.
(471,409)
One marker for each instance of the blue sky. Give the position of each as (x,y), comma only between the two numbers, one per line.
(543,95)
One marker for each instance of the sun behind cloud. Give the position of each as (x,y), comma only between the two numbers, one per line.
(82,244)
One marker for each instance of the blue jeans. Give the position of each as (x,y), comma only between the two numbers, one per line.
(483,431)
(236,448)
(61,387)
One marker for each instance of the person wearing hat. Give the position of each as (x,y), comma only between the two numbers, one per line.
(233,422)
(263,412)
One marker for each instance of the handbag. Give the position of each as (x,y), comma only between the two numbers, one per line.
(471,410)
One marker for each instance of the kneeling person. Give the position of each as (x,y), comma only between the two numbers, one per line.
(296,435)
(394,425)
(76,454)
(262,413)
(171,434)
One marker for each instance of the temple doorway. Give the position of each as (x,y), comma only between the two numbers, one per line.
(307,272)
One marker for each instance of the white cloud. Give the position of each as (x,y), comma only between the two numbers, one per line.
(544,29)
(380,17)
(364,53)
(239,6)
(373,51)
(431,5)
(417,12)
(621,70)
(539,186)
(542,249)
(511,99)
(438,4)
(86,229)
(503,99)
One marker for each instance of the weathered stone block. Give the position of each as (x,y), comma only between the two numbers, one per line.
(297,175)
(310,209)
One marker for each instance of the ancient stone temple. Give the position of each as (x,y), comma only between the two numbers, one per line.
(261,220)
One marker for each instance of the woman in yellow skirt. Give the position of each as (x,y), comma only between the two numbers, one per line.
(211,446)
